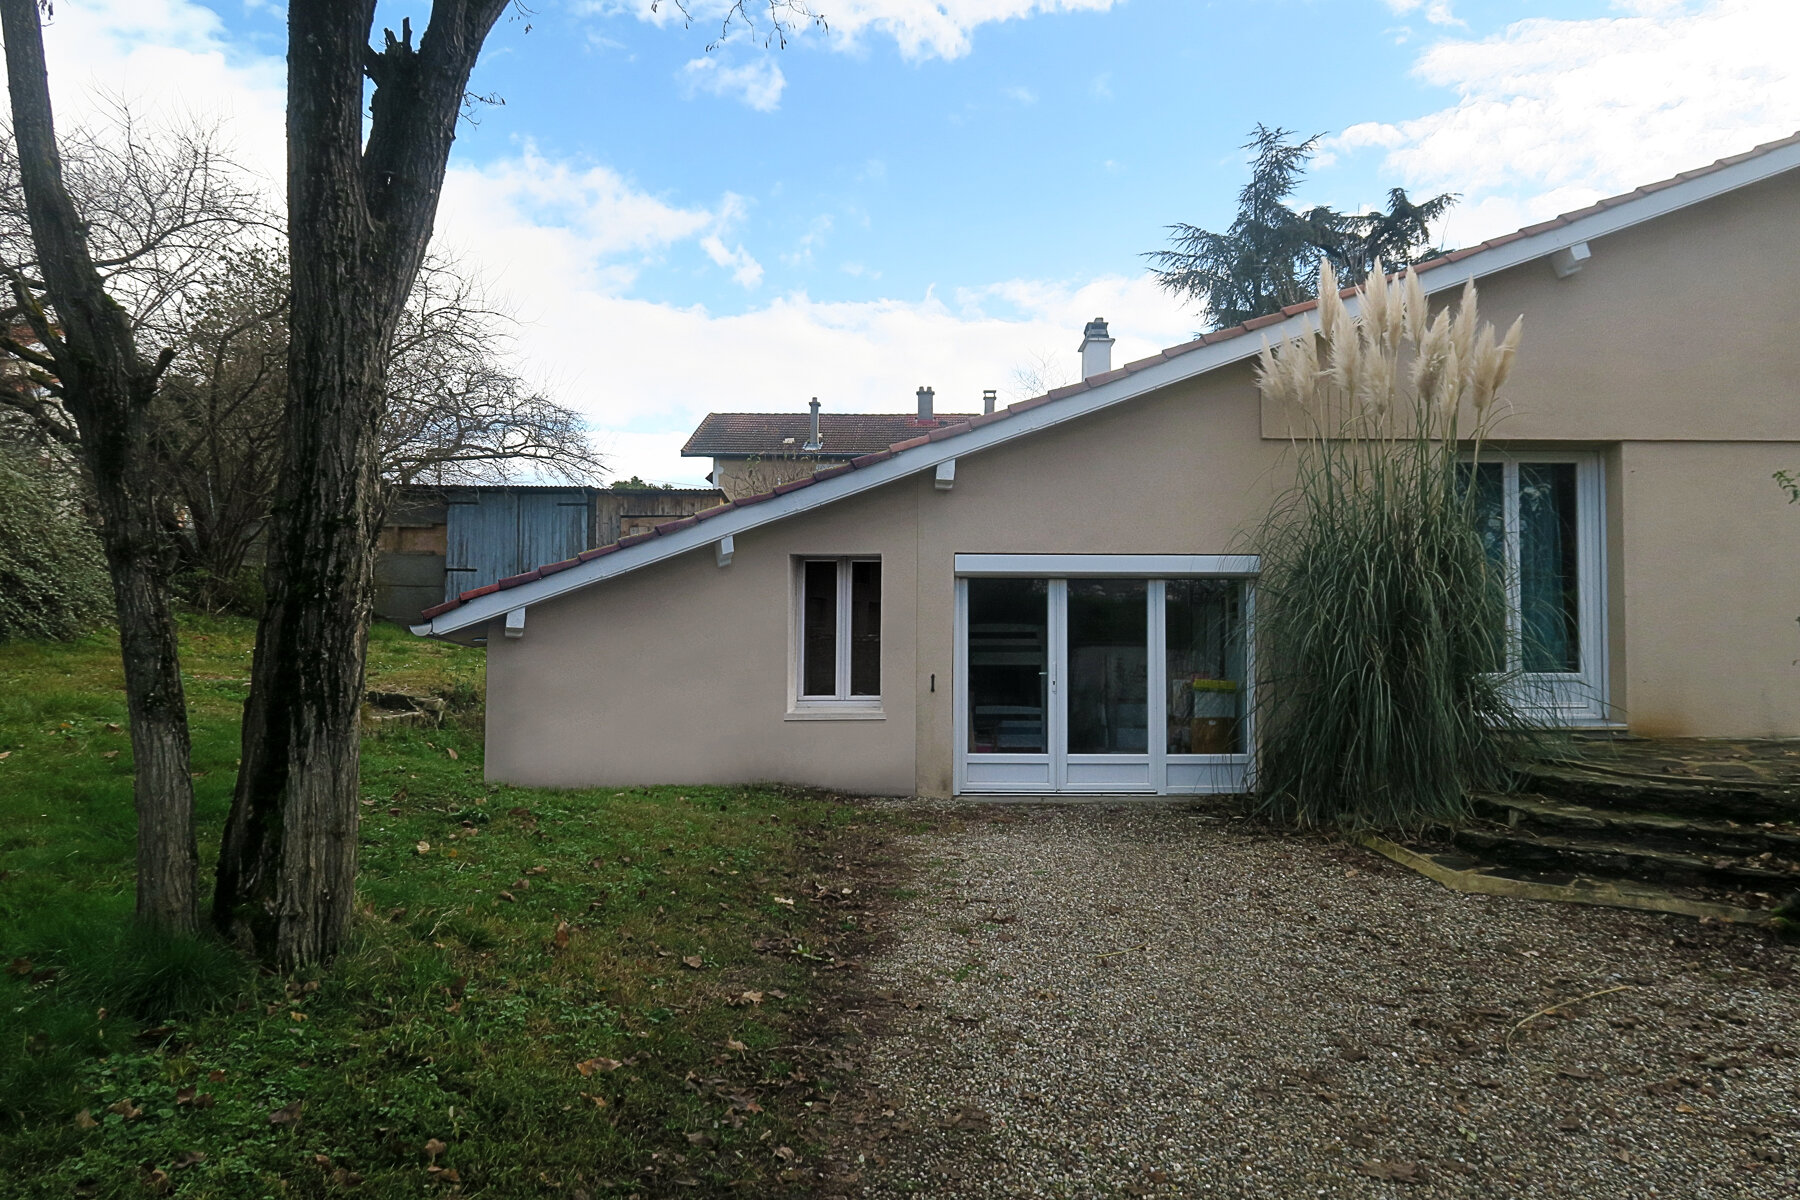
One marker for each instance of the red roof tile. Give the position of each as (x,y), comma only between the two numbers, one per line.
(727,435)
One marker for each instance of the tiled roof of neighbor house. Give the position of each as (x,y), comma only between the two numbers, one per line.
(963,425)
(729,435)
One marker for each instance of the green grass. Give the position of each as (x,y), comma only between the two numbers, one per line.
(504,936)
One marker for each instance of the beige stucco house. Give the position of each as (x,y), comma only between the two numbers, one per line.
(1055,596)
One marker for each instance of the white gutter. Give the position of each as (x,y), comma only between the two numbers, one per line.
(1623,215)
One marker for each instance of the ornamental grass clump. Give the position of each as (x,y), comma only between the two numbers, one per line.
(1381,616)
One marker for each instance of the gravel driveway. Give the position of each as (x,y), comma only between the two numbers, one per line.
(1157,999)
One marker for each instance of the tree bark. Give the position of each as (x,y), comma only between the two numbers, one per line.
(359,218)
(108,389)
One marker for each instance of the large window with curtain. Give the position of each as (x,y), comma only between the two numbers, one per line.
(1540,517)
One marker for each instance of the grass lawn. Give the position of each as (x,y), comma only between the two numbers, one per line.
(575,993)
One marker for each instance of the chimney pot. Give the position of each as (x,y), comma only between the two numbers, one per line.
(926,395)
(988,396)
(1096,349)
(815,442)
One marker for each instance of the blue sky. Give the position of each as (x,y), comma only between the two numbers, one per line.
(941,191)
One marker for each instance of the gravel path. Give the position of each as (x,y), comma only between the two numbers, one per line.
(1162,1000)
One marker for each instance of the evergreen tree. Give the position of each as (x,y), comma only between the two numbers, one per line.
(1269,257)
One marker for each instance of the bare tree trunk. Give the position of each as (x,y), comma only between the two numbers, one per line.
(108,389)
(358,220)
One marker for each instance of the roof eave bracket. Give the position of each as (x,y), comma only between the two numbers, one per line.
(1570,259)
(946,475)
(515,623)
(726,547)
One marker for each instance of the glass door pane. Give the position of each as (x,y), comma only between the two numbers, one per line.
(1549,591)
(1108,666)
(1009,666)
(1204,624)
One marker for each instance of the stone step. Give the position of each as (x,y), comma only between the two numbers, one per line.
(1597,857)
(1458,871)
(1540,815)
(1594,785)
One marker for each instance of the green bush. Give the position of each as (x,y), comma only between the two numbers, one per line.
(53,582)
(1380,611)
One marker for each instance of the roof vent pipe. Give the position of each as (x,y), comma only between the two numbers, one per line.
(1096,349)
(988,396)
(925,397)
(815,442)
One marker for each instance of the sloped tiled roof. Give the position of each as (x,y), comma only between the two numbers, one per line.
(728,435)
(957,426)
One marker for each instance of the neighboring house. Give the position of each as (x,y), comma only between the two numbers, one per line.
(441,541)
(756,452)
(1055,597)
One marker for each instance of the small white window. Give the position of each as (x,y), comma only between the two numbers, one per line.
(840,630)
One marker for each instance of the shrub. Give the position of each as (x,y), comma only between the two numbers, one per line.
(1380,612)
(53,581)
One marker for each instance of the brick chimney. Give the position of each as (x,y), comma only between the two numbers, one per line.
(988,397)
(926,395)
(1096,349)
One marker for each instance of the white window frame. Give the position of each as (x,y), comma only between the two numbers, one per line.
(1576,698)
(841,705)
(1163,773)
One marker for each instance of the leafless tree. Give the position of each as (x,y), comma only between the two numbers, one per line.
(89,284)
(458,410)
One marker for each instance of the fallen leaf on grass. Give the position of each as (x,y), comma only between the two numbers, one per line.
(157,1181)
(188,1158)
(734,1044)
(561,938)
(785,1154)
(693,961)
(110,754)
(216,1075)
(287,1115)
(126,1109)
(452,753)
(5,754)
(1399,1172)
(423,847)
(185,1095)
(700,1139)
(298,1016)
(745,998)
(508,897)
(591,1065)
(599,1101)
(433,1148)
(784,900)
(536,870)
(85,1120)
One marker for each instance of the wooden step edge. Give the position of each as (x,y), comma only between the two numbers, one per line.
(1584,891)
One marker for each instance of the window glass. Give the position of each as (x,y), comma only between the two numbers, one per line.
(1109,666)
(1204,627)
(865,628)
(1549,598)
(1009,666)
(818,628)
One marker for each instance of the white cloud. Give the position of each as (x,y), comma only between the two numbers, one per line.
(757,84)
(1437,12)
(921,28)
(169,61)
(1021,95)
(1554,114)
(745,270)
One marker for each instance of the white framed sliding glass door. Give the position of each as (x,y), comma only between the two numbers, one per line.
(1541,516)
(1102,673)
